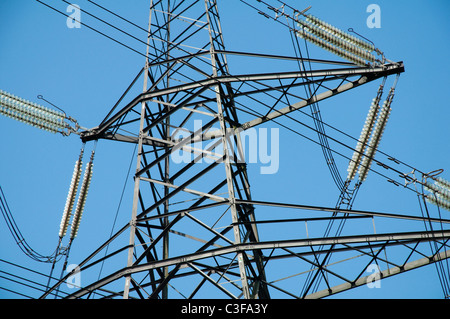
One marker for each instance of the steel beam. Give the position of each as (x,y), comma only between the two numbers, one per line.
(366,75)
(382,275)
(240,248)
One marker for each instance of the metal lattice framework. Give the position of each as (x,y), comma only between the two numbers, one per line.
(195,229)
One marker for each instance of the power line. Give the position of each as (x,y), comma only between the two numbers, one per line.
(30,283)
(439,265)
(118,16)
(322,137)
(109,24)
(318,121)
(17,235)
(93,29)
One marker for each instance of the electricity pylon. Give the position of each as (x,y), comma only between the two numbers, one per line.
(194,228)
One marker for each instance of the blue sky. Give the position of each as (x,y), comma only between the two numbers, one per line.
(85,73)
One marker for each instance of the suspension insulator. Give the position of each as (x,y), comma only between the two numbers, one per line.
(81,200)
(344,44)
(31,113)
(31,120)
(332,48)
(70,198)
(38,108)
(439,188)
(438,201)
(442,183)
(375,139)
(364,138)
(340,34)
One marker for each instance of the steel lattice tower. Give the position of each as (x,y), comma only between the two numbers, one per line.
(191,105)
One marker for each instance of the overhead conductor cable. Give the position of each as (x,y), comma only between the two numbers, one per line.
(82,198)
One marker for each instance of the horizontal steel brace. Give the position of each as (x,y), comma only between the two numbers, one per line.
(382,275)
(251,54)
(340,210)
(240,248)
(301,104)
(216,198)
(131,139)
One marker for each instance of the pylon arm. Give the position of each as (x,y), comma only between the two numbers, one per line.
(366,77)
(381,275)
(345,241)
(367,74)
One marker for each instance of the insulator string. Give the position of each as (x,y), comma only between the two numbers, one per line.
(365,133)
(82,197)
(376,135)
(73,189)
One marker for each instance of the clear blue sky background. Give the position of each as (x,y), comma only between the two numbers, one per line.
(85,73)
